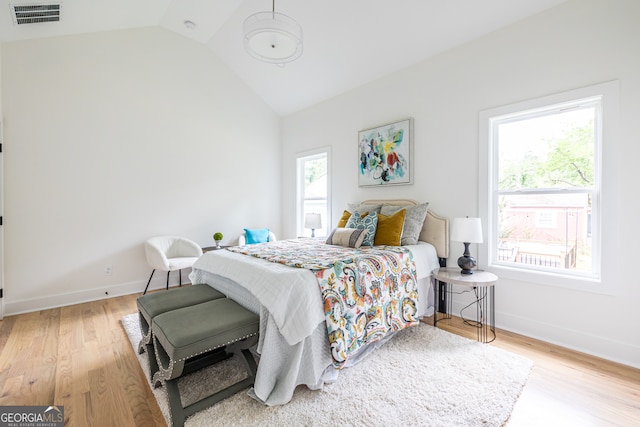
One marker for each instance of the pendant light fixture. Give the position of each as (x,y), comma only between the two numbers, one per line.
(272,37)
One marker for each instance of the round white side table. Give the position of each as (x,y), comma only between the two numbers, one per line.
(483,283)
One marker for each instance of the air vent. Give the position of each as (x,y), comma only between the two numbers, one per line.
(35,13)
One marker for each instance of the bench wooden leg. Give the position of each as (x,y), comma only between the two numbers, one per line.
(180,413)
(153,363)
(175,403)
(146,344)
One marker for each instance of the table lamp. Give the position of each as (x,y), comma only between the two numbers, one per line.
(312,221)
(466,230)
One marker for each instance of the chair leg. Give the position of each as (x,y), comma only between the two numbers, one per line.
(180,274)
(168,272)
(147,287)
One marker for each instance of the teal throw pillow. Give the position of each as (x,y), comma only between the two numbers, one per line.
(369,223)
(257,235)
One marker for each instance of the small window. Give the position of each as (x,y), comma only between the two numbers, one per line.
(313,191)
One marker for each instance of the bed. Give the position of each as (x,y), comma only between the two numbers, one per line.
(294,339)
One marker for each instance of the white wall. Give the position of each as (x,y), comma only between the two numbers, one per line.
(579,43)
(111,138)
(1,195)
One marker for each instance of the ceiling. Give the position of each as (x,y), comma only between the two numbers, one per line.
(346,42)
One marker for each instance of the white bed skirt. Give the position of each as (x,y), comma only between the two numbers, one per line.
(282,366)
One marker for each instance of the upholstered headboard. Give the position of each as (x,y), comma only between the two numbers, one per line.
(435,229)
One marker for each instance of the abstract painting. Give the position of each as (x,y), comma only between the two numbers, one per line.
(384,153)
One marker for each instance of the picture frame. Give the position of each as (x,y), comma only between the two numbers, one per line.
(385,154)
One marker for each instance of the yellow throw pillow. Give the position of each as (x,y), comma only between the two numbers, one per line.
(342,222)
(389,230)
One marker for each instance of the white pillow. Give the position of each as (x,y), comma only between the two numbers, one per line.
(413,221)
(347,237)
(362,208)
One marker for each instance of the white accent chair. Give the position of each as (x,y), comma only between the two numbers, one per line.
(170,253)
(242,240)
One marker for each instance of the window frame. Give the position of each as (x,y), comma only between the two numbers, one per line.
(488,189)
(300,200)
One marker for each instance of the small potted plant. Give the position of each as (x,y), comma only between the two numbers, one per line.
(218,238)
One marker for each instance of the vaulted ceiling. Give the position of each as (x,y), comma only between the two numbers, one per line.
(346,42)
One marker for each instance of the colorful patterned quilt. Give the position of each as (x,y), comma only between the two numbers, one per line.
(367,292)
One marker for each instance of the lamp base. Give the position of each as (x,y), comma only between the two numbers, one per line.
(466,263)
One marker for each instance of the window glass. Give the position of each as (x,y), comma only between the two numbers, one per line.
(546,187)
(313,191)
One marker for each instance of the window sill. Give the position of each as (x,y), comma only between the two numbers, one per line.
(584,284)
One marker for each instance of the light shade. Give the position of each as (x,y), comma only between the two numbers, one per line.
(466,230)
(313,221)
(272,37)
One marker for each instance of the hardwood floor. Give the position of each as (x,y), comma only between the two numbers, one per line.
(80,357)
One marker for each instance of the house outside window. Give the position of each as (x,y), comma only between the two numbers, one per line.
(313,190)
(540,184)
(546,218)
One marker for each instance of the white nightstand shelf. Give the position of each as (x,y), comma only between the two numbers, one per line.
(483,283)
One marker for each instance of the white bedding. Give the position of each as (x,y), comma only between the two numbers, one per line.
(293,343)
(290,294)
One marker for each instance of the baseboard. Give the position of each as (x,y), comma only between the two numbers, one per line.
(94,294)
(594,345)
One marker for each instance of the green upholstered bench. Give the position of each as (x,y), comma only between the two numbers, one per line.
(191,338)
(151,305)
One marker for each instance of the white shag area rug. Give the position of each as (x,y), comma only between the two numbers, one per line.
(422,377)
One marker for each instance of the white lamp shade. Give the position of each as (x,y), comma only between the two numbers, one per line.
(312,220)
(272,37)
(466,230)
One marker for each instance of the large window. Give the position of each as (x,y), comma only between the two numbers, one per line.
(540,185)
(313,190)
